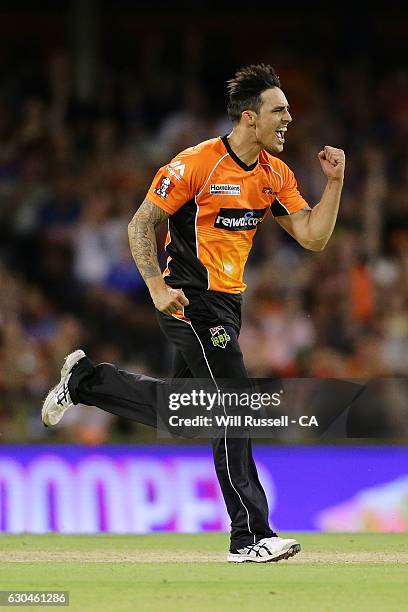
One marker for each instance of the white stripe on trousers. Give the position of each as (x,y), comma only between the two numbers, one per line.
(225,431)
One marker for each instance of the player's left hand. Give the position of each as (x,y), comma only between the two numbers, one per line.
(332,161)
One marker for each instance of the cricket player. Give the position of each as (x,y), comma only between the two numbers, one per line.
(213,196)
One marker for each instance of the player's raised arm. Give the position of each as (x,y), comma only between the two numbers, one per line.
(143,245)
(313,228)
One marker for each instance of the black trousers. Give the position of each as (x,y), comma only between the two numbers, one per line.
(206,347)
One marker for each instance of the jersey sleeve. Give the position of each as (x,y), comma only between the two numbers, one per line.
(288,200)
(175,184)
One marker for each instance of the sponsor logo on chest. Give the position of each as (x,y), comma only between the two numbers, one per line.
(225,189)
(239,219)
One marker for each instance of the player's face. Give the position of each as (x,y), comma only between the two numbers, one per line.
(272,120)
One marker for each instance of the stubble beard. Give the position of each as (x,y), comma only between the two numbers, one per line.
(274,150)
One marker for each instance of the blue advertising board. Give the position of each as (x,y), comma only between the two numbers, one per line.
(140,489)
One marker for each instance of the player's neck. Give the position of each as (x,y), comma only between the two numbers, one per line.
(244,146)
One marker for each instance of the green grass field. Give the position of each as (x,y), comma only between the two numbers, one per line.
(166,572)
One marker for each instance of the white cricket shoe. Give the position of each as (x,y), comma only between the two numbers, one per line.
(58,399)
(268,549)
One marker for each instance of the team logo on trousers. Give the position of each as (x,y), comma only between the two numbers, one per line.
(219,336)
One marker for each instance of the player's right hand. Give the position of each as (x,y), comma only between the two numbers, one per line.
(168,300)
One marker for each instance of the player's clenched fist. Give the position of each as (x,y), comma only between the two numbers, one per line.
(168,300)
(332,161)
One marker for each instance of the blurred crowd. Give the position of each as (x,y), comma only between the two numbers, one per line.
(72,174)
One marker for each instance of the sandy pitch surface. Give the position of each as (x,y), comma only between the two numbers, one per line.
(168,556)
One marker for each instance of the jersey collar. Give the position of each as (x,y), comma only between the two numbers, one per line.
(235,157)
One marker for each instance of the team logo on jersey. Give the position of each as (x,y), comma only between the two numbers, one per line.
(269,191)
(239,219)
(219,336)
(225,189)
(176,169)
(163,187)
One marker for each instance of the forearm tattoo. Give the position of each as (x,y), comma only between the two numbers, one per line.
(142,238)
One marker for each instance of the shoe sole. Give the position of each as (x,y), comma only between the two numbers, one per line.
(69,362)
(44,411)
(287,554)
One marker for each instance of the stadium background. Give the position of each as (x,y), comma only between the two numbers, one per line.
(94,96)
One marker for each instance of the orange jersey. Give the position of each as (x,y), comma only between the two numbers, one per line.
(216,203)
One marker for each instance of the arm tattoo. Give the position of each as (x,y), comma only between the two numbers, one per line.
(142,238)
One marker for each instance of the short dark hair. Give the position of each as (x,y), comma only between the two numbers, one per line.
(245,89)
